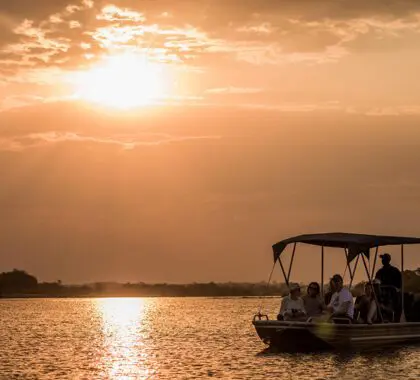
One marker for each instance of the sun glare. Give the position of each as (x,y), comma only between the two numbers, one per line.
(125,326)
(123,81)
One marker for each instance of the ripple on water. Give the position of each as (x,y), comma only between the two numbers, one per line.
(166,338)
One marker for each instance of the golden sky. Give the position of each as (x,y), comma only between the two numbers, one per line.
(177,140)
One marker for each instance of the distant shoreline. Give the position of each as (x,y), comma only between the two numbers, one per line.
(19,284)
(23,296)
(154,291)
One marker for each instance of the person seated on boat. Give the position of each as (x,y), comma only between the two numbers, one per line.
(292,306)
(341,304)
(388,274)
(314,305)
(365,310)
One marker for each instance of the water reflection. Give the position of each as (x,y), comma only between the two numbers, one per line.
(181,338)
(124,328)
(379,363)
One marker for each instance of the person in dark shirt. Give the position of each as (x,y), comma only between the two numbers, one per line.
(314,304)
(365,308)
(388,274)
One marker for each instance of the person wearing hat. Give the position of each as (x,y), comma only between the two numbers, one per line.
(388,274)
(292,306)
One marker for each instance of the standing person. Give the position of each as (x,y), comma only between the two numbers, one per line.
(391,283)
(388,274)
(341,304)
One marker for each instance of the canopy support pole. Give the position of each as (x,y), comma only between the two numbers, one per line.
(378,307)
(374,262)
(287,275)
(322,271)
(291,263)
(268,286)
(284,272)
(402,318)
(354,270)
(347,263)
(352,273)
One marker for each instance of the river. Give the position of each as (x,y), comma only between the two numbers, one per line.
(166,338)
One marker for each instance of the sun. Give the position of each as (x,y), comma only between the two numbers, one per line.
(122,81)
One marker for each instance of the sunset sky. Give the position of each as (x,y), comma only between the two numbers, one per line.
(176,141)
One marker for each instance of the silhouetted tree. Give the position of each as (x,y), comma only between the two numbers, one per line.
(17,281)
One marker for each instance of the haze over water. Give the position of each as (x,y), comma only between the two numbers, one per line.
(166,338)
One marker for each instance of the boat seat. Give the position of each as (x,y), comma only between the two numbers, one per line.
(341,320)
(388,315)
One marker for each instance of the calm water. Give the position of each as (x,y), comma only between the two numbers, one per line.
(166,339)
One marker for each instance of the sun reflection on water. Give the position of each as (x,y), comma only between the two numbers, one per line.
(124,328)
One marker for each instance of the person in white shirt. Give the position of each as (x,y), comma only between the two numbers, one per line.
(292,306)
(341,304)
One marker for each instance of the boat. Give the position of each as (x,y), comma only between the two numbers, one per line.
(338,333)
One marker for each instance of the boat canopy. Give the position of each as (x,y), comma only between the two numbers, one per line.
(354,243)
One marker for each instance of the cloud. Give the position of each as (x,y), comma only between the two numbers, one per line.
(36,140)
(41,47)
(296,107)
(263,28)
(393,110)
(233,90)
(78,35)
(40,126)
(112,13)
(263,33)
(302,107)
(43,43)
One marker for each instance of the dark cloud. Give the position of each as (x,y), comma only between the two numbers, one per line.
(219,13)
(35,10)
(55,42)
(223,12)
(293,27)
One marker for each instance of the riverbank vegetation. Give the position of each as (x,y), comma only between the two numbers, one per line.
(18,283)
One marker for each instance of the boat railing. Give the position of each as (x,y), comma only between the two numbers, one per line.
(260,316)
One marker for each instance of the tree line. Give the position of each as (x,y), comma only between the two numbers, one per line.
(19,283)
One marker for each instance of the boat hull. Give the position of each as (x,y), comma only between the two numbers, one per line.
(302,336)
